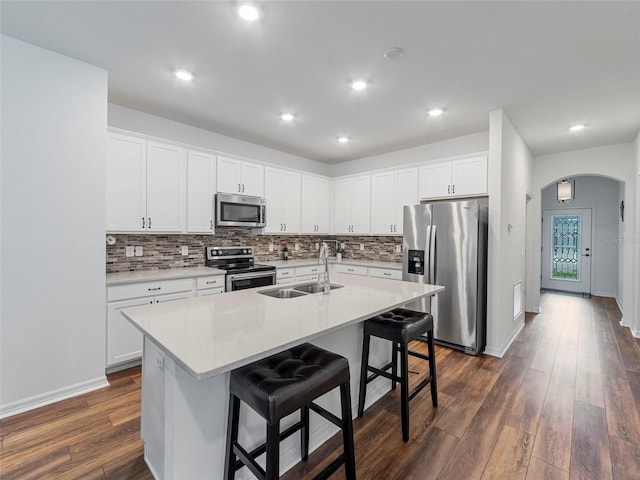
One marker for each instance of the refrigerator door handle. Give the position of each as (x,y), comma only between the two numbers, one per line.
(432,255)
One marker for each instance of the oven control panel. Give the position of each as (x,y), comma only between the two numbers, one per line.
(229,252)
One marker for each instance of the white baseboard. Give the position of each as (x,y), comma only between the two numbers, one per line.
(618,303)
(53,396)
(500,351)
(605,294)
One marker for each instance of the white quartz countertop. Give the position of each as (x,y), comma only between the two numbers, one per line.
(166,274)
(213,334)
(345,261)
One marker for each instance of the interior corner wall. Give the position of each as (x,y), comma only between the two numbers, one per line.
(614,161)
(509,182)
(152,125)
(635,325)
(54,119)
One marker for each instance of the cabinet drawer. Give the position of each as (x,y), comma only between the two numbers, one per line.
(351,269)
(210,282)
(210,291)
(310,270)
(385,273)
(146,289)
(285,273)
(307,278)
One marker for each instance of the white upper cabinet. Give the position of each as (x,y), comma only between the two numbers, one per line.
(390,192)
(457,178)
(166,187)
(146,185)
(126,183)
(316,204)
(201,188)
(282,192)
(239,176)
(352,210)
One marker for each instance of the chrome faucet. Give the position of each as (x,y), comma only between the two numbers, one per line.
(323,258)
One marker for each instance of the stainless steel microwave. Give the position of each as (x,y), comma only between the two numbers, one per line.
(240,211)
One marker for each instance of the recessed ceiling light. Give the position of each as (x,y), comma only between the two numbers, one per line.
(359,85)
(248,12)
(577,128)
(343,139)
(435,112)
(287,117)
(183,74)
(393,53)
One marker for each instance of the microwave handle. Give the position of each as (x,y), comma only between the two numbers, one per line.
(263,214)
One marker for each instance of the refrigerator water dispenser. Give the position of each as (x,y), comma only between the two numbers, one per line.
(416,262)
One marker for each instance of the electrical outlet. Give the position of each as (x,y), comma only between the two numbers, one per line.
(271,247)
(398,248)
(139,251)
(362,246)
(185,250)
(317,246)
(160,362)
(129,251)
(297,246)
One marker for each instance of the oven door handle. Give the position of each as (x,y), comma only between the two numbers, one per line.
(248,276)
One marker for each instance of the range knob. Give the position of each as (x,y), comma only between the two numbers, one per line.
(249,251)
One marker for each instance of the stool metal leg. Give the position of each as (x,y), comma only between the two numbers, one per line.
(304,433)
(347,432)
(432,368)
(404,391)
(366,339)
(232,437)
(272,470)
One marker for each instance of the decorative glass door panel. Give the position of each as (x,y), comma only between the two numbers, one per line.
(566,250)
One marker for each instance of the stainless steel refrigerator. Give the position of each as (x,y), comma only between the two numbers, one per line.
(445,243)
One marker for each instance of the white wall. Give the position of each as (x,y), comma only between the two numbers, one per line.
(614,161)
(453,147)
(600,194)
(52,318)
(140,122)
(635,291)
(509,180)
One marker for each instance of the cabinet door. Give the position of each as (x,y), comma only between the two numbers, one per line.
(166,188)
(201,168)
(291,201)
(124,341)
(361,205)
(229,175)
(252,179)
(315,205)
(274,194)
(342,209)
(406,194)
(435,180)
(126,183)
(383,204)
(469,176)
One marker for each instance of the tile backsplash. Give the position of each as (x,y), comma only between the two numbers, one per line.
(165,251)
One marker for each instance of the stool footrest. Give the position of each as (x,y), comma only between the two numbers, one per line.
(326,414)
(247,460)
(422,384)
(381,372)
(418,354)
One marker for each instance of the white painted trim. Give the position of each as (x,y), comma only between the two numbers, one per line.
(499,352)
(605,294)
(619,306)
(53,396)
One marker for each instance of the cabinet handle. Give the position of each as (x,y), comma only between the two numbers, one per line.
(212,283)
(143,222)
(448,189)
(285,227)
(243,188)
(349,269)
(387,274)
(314,269)
(239,189)
(149,222)
(453,189)
(211,224)
(154,289)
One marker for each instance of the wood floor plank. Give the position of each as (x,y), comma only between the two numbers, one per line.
(565,367)
(625,459)
(553,439)
(510,457)
(33,464)
(527,406)
(589,381)
(539,470)
(623,418)
(431,457)
(545,355)
(590,457)
(42,415)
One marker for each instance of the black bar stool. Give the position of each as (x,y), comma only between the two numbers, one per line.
(400,326)
(279,385)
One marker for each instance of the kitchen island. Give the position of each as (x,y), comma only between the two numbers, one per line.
(190,346)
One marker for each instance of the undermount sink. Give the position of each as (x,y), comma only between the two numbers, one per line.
(314,287)
(297,291)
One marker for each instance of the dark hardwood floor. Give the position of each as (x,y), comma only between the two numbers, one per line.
(564,403)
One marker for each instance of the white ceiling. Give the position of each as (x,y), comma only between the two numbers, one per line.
(547,64)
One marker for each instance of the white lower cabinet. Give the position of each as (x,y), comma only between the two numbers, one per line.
(385,273)
(210,285)
(285,275)
(124,341)
(352,269)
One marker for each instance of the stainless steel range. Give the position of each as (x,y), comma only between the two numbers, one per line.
(242,272)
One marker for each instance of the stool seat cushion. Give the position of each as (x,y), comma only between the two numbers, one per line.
(285,382)
(399,325)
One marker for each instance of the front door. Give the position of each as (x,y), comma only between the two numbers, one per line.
(566,250)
